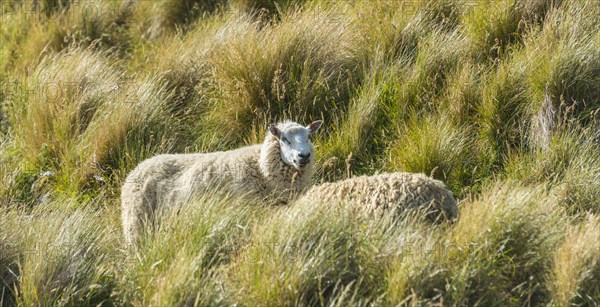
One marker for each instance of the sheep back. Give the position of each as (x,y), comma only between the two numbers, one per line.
(164,181)
(388,193)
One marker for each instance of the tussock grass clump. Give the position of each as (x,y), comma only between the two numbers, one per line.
(502,111)
(365,128)
(442,14)
(434,146)
(304,256)
(45,95)
(182,65)
(570,164)
(35,32)
(162,17)
(500,249)
(154,20)
(463,93)
(393,36)
(301,69)
(439,55)
(390,94)
(64,257)
(73,120)
(413,271)
(177,261)
(563,83)
(395,29)
(576,271)
(495,26)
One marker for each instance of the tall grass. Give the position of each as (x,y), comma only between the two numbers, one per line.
(577,262)
(315,255)
(562,86)
(499,99)
(58,257)
(9,253)
(570,165)
(499,252)
(504,242)
(302,69)
(178,262)
(60,117)
(359,136)
(434,146)
(502,111)
(33,32)
(495,28)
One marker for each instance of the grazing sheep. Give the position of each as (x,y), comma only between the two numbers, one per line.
(279,167)
(395,192)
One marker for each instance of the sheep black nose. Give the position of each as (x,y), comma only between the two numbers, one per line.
(304,155)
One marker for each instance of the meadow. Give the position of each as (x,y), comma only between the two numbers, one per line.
(499,99)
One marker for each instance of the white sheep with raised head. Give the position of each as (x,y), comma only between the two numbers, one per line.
(275,170)
(389,193)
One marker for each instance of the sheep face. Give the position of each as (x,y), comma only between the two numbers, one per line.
(294,141)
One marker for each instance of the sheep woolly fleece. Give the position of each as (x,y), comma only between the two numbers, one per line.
(164,181)
(394,192)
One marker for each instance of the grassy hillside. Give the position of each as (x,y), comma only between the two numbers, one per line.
(499,99)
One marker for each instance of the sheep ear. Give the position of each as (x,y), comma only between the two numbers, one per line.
(274,130)
(314,126)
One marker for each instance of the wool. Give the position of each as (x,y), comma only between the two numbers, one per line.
(390,193)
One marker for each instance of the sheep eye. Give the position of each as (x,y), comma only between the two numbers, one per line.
(285,140)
